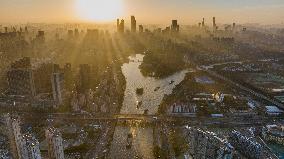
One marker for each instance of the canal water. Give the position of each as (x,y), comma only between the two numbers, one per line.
(277,149)
(153,93)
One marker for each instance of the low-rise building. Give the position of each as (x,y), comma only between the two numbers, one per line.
(273,110)
(246,146)
(180,108)
(274,133)
(205,144)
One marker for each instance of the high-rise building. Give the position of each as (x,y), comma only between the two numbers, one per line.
(30,147)
(68,78)
(42,76)
(57,81)
(133,24)
(23,146)
(20,78)
(40,36)
(174,26)
(49,78)
(14,133)
(141,29)
(203,22)
(234,26)
(214,24)
(117,25)
(55,145)
(70,33)
(76,32)
(84,78)
(120,26)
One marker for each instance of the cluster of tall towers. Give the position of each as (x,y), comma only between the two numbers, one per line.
(214,25)
(173,28)
(24,145)
(120,24)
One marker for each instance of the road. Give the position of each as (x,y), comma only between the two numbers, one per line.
(259,95)
(151,119)
(100,150)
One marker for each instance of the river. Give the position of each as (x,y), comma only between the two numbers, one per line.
(142,145)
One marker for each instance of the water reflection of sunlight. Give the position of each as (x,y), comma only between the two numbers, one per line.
(133,131)
(151,99)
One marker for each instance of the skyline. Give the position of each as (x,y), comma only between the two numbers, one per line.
(142,79)
(187,12)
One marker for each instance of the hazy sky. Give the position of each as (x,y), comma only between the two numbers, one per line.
(150,11)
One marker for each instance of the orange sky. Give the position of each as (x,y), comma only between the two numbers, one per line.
(151,11)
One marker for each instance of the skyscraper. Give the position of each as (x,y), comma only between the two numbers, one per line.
(14,132)
(40,36)
(214,24)
(117,25)
(234,26)
(58,87)
(84,78)
(26,145)
(30,147)
(68,78)
(20,78)
(141,29)
(175,26)
(120,25)
(203,22)
(54,141)
(133,24)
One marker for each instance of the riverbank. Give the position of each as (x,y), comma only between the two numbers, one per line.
(142,143)
(161,65)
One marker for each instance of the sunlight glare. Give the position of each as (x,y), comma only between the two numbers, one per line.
(99,10)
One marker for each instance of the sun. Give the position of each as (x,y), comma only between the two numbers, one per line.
(99,10)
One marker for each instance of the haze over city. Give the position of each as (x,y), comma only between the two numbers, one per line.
(148,11)
(141,79)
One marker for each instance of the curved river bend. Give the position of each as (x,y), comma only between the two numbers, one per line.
(151,99)
(142,144)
